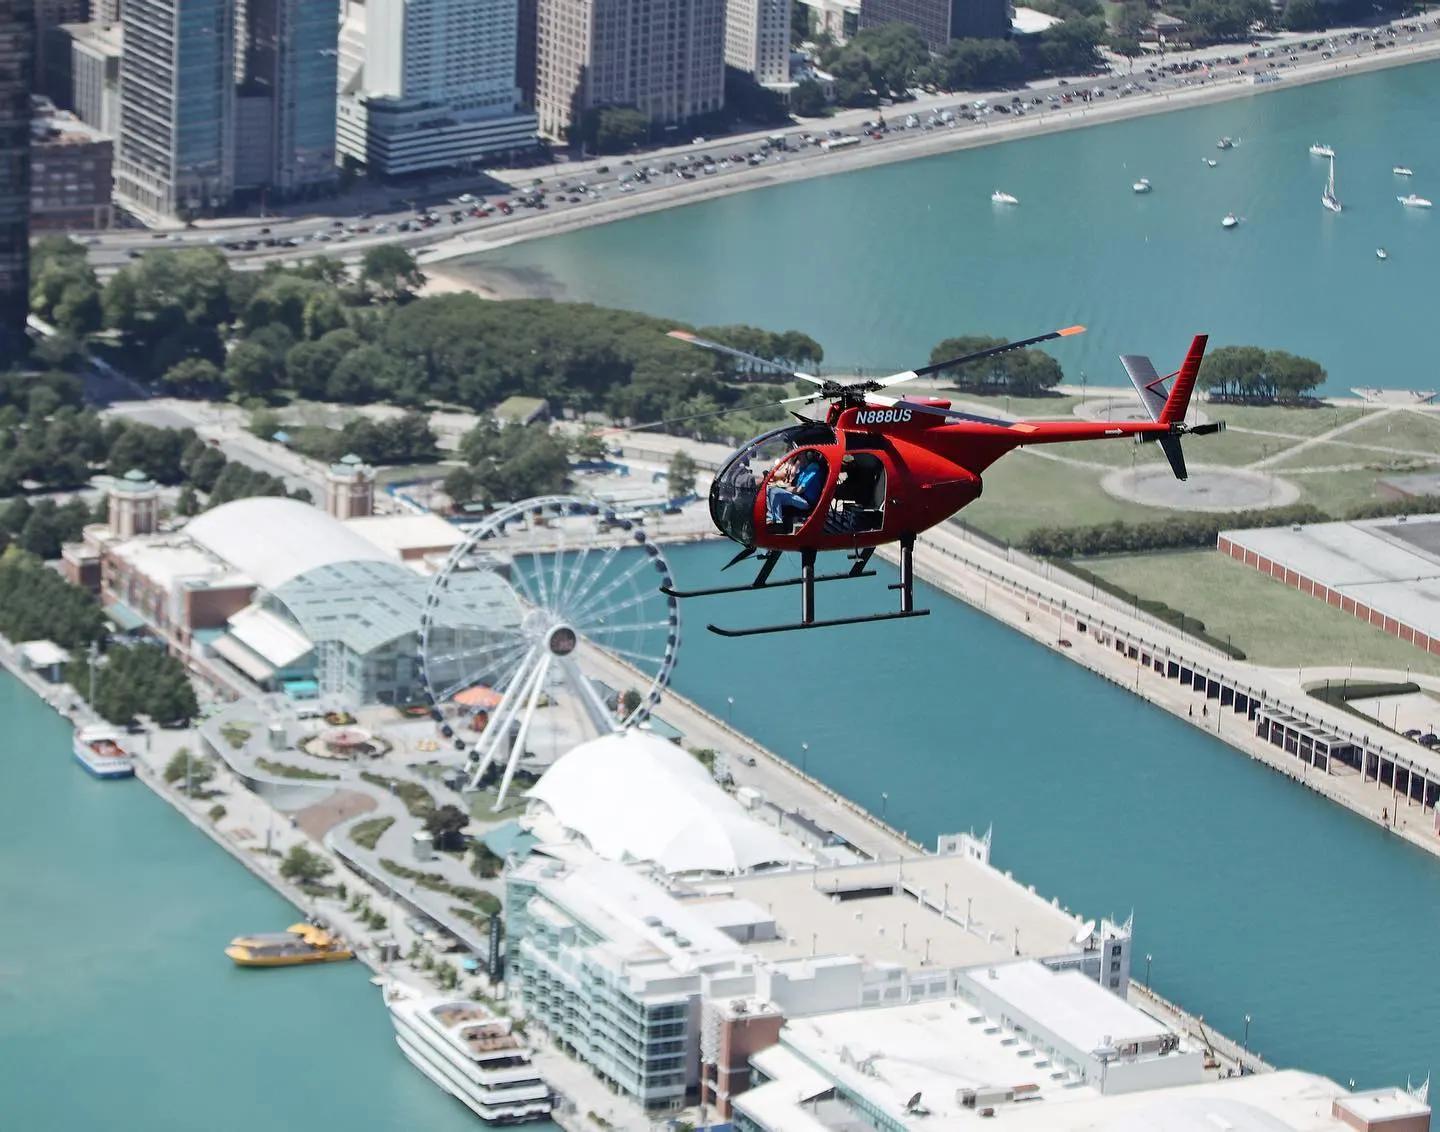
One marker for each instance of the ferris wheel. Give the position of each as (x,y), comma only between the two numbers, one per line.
(545,597)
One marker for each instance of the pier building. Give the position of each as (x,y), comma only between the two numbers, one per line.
(269,594)
(1383,571)
(960,1065)
(667,979)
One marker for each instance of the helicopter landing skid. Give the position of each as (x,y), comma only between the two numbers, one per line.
(807,580)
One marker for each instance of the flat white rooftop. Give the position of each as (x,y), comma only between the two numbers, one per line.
(1284,1101)
(170,559)
(1390,565)
(902,912)
(936,1049)
(404,536)
(639,921)
(1077,1010)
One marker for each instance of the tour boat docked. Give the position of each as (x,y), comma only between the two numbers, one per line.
(296,946)
(472,1053)
(1230,220)
(1321,150)
(1413,201)
(1003,198)
(1403,171)
(1328,197)
(1142,185)
(98,750)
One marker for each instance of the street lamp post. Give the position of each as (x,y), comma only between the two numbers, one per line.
(729,711)
(1148,960)
(1245,1042)
(804,758)
(884,804)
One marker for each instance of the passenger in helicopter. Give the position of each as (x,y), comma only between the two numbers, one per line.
(794,490)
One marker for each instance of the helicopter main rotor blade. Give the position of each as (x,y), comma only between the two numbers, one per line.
(754,359)
(709,413)
(881,401)
(936,367)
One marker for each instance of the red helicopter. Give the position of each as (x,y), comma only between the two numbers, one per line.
(881,469)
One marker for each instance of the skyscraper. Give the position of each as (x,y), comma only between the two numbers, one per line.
(177,120)
(288,53)
(665,58)
(17,58)
(757,39)
(940,21)
(437,87)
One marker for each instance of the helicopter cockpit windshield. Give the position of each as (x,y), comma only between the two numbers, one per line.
(732,495)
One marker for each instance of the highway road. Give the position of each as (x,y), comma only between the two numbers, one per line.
(419,216)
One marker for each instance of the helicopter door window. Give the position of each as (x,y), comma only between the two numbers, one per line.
(733,493)
(859,501)
(794,489)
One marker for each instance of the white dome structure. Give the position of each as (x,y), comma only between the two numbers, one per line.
(272,540)
(635,796)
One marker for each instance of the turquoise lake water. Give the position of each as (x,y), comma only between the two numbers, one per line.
(118,1008)
(881,264)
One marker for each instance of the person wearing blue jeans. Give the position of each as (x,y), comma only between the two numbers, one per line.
(797,492)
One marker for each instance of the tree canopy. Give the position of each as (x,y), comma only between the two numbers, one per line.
(1020,372)
(137,680)
(36,603)
(875,63)
(1251,373)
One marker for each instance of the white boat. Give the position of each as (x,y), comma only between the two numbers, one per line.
(1403,171)
(1230,220)
(1003,198)
(1142,185)
(1210,161)
(98,750)
(1328,197)
(1225,143)
(1321,150)
(472,1053)
(1411,200)
(1381,253)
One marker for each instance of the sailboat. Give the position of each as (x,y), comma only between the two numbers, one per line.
(1328,198)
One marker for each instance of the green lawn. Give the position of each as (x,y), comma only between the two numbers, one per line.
(1330,453)
(481,803)
(1284,419)
(1275,625)
(1416,432)
(1337,492)
(1024,491)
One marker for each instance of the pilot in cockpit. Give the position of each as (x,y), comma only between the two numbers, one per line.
(794,490)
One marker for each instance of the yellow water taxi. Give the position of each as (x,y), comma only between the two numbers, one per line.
(296,945)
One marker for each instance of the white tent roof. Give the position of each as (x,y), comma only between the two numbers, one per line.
(272,637)
(273,540)
(635,796)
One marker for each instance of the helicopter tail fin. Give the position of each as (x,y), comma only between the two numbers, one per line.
(1160,406)
(1168,408)
(1179,400)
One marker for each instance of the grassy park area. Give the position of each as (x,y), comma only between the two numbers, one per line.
(1334,455)
(1275,625)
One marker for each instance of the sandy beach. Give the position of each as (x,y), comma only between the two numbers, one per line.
(917,144)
